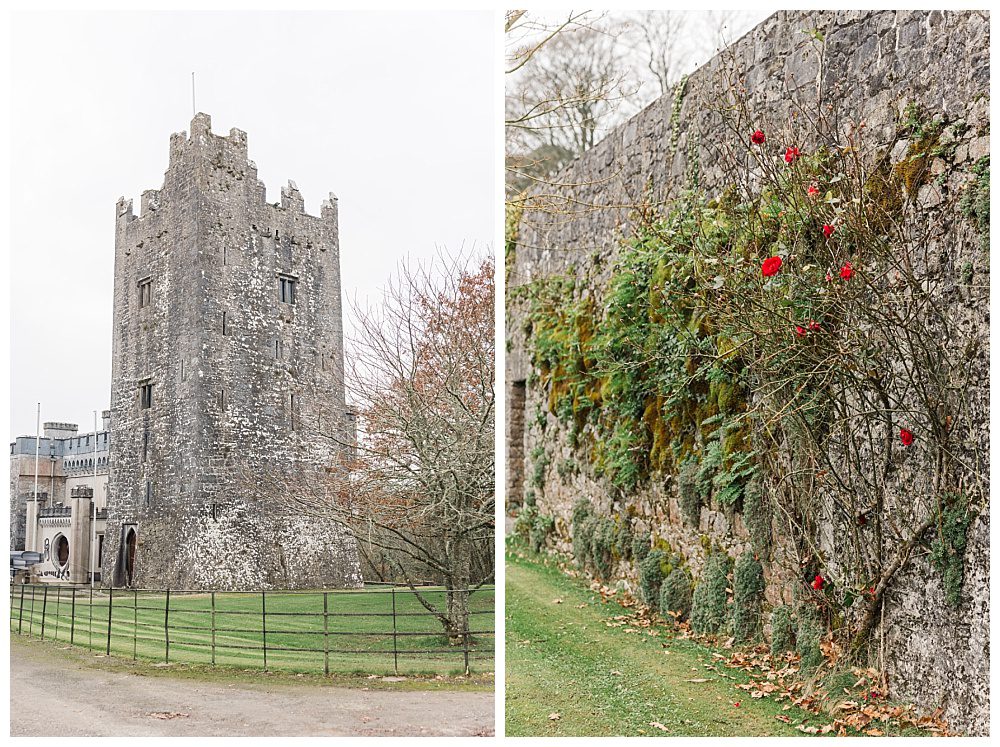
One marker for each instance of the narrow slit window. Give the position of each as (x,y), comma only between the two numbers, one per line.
(145,443)
(224,328)
(145,292)
(292,411)
(145,396)
(286,289)
(149,492)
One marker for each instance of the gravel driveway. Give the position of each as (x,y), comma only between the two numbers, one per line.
(56,692)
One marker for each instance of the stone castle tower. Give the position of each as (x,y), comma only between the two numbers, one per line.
(227,379)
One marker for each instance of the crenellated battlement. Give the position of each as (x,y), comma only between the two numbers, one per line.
(222,153)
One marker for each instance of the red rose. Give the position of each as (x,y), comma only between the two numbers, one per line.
(846,272)
(905,436)
(818,582)
(813,325)
(791,153)
(799,331)
(758,138)
(827,230)
(813,189)
(771,266)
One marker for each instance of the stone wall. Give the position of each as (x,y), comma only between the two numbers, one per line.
(247,387)
(866,68)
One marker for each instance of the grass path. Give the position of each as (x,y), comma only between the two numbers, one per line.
(604,681)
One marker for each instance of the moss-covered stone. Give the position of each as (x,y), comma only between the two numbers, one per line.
(601,544)
(687,490)
(675,594)
(782,629)
(807,640)
(539,531)
(748,598)
(651,577)
(710,603)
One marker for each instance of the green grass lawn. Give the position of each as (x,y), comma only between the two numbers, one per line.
(359,632)
(563,658)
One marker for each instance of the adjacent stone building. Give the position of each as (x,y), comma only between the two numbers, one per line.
(227,380)
(60,521)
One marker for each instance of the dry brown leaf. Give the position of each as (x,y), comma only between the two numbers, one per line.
(658,725)
(554,717)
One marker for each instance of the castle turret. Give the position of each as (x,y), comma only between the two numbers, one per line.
(227,375)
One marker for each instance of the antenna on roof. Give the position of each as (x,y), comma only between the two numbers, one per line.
(194,109)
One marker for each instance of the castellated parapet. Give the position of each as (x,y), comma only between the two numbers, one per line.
(227,379)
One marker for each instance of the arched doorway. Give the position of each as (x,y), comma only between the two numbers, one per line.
(60,554)
(125,566)
(130,543)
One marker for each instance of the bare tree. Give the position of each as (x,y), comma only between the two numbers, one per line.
(420,495)
(655,37)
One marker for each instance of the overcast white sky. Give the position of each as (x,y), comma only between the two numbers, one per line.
(394,112)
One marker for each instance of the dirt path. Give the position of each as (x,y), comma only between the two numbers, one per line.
(55,692)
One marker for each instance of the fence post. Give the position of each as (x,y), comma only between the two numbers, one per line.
(395,647)
(20,610)
(72,618)
(465,631)
(326,635)
(111,602)
(58,599)
(213,628)
(135,621)
(263,623)
(31,613)
(166,629)
(45,600)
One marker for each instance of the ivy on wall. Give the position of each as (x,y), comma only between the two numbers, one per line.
(778,348)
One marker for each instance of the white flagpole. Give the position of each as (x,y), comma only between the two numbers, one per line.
(93,502)
(38,422)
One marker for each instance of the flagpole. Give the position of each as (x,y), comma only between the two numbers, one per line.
(93,502)
(38,423)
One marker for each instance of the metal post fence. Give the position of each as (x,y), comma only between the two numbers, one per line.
(356,629)
(263,624)
(166,628)
(111,599)
(135,622)
(213,628)
(465,638)
(58,599)
(31,614)
(326,635)
(395,646)
(45,600)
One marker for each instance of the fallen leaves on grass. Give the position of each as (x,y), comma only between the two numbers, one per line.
(554,717)
(658,725)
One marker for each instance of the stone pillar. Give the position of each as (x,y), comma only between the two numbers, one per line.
(81,500)
(31,523)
